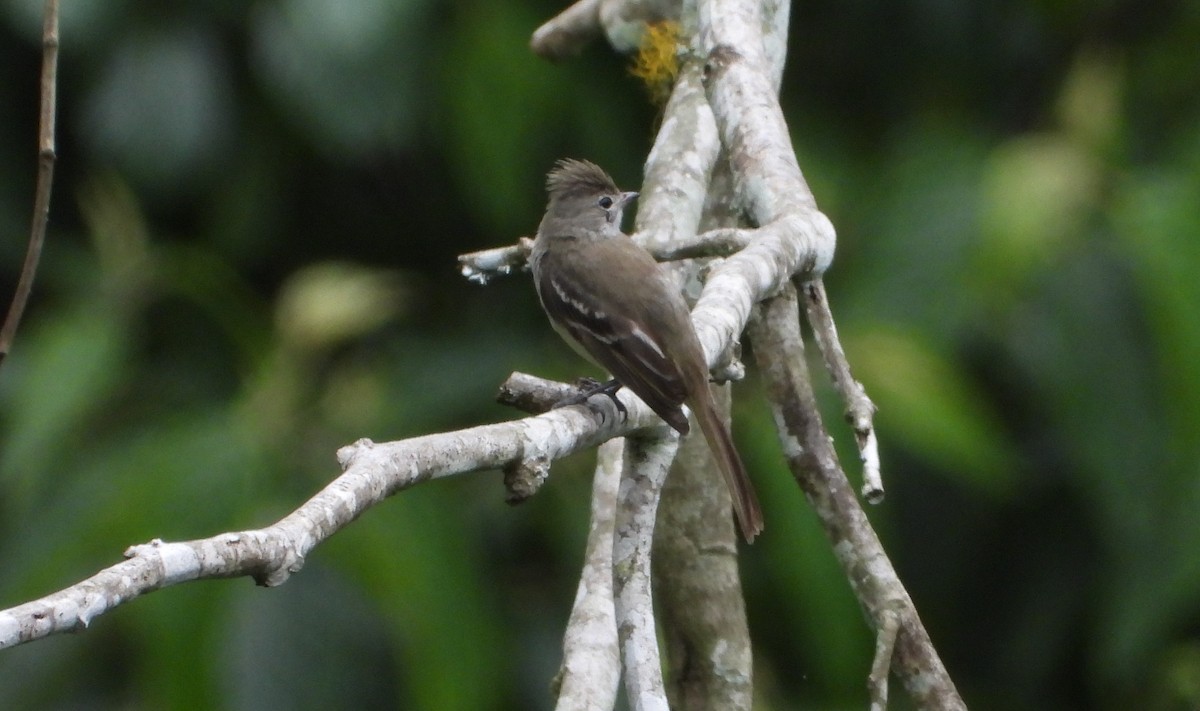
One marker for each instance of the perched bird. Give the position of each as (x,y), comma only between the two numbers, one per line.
(608,299)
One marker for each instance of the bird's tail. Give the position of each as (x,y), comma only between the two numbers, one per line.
(741,489)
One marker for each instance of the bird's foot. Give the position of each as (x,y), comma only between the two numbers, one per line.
(590,386)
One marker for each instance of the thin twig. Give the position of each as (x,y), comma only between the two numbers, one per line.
(41,199)
(860,411)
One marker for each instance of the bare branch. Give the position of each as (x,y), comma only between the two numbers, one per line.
(565,35)
(487,264)
(623,22)
(647,461)
(702,612)
(744,41)
(482,266)
(678,167)
(740,81)
(532,394)
(860,411)
(775,333)
(372,473)
(703,618)
(264,554)
(768,186)
(591,667)
(721,242)
(41,198)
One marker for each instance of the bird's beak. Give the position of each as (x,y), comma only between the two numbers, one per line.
(627,198)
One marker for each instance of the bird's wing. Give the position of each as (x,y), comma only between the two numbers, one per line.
(615,340)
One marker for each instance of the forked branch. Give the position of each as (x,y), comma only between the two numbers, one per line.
(779,350)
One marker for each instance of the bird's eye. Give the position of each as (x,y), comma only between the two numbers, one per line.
(605,202)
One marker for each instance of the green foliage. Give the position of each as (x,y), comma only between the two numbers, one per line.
(251,263)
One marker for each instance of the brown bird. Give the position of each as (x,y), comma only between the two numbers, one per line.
(608,299)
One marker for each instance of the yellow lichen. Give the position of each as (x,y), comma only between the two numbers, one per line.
(657,61)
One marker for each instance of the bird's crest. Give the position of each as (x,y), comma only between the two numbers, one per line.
(572,177)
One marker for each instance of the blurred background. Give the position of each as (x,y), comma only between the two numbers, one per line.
(251,262)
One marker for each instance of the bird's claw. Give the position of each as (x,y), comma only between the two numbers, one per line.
(610,389)
(589,387)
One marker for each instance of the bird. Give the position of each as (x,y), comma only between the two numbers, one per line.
(609,300)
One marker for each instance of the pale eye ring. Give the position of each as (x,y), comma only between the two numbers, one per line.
(605,202)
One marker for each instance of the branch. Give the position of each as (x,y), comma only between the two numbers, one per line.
(647,461)
(41,198)
(622,21)
(793,236)
(487,264)
(740,80)
(702,611)
(372,472)
(678,169)
(591,667)
(483,266)
(860,411)
(566,34)
(744,41)
(779,350)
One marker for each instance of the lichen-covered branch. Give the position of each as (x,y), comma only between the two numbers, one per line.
(591,666)
(703,621)
(678,167)
(702,613)
(372,472)
(647,461)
